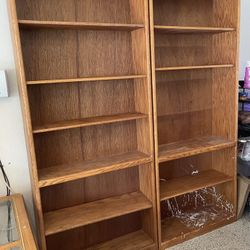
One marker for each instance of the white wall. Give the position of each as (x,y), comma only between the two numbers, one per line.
(245,36)
(12,143)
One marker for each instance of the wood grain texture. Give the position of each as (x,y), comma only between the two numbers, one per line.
(180,233)
(109,11)
(132,241)
(80,144)
(106,75)
(21,77)
(28,24)
(90,189)
(192,147)
(81,101)
(187,29)
(86,122)
(64,173)
(187,184)
(112,48)
(26,240)
(189,43)
(85,214)
(86,79)
(201,14)
(194,67)
(86,237)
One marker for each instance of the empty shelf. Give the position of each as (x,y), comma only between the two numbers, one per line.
(85,79)
(133,241)
(191,147)
(187,184)
(86,122)
(73,171)
(187,29)
(194,67)
(78,25)
(92,212)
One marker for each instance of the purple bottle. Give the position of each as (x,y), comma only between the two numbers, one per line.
(247,76)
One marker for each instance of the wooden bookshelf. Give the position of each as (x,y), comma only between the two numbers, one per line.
(194,61)
(85,85)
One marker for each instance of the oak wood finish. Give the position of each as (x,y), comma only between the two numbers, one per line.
(86,122)
(188,184)
(88,79)
(132,241)
(26,239)
(69,218)
(86,87)
(191,147)
(69,172)
(78,25)
(184,29)
(194,51)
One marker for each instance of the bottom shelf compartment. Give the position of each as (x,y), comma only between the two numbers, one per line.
(117,233)
(196,213)
(133,241)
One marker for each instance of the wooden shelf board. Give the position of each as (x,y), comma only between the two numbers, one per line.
(187,29)
(187,184)
(194,67)
(78,25)
(86,122)
(74,171)
(181,149)
(92,212)
(175,232)
(133,241)
(181,113)
(86,79)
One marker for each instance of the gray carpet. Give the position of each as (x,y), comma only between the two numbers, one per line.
(235,236)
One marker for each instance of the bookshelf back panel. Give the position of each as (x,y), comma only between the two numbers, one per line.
(183,91)
(193,50)
(184,104)
(122,11)
(184,126)
(193,103)
(185,166)
(62,102)
(74,145)
(66,54)
(83,237)
(90,189)
(215,13)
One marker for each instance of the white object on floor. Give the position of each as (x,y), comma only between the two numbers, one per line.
(231,237)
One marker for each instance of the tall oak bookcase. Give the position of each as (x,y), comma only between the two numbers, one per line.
(85,82)
(194,49)
(122,101)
